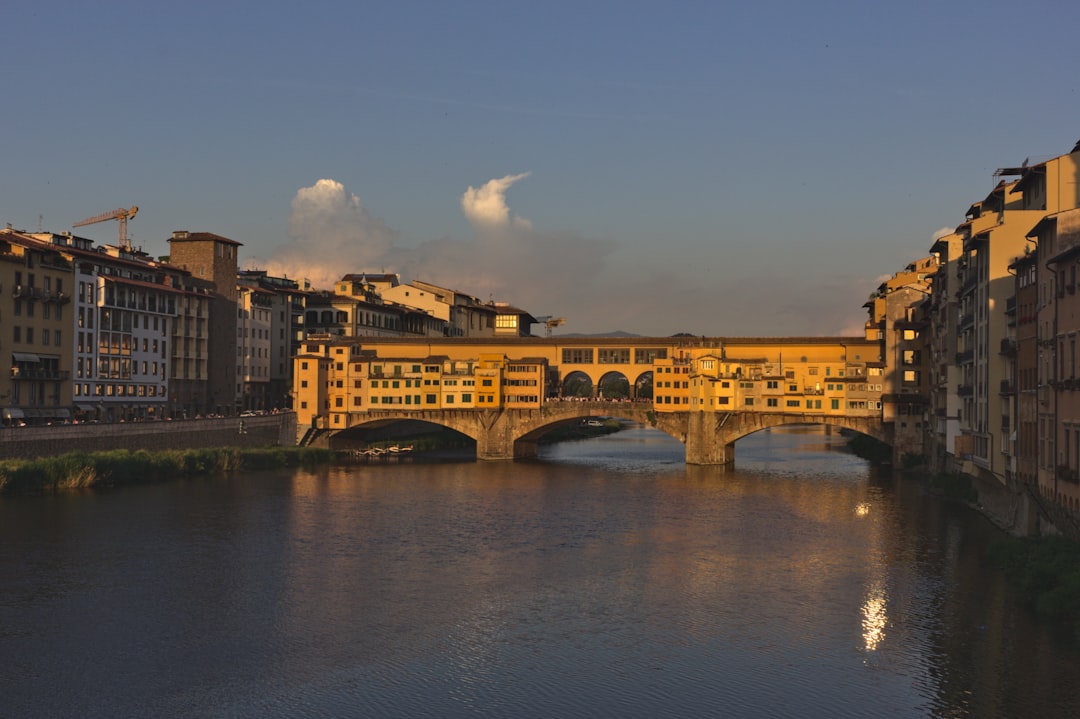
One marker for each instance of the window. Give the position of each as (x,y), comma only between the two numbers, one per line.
(772,402)
(615,355)
(577,356)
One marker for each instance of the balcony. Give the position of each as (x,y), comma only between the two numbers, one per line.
(965,390)
(965,357)
(1006,387)
(39,373)
(966,322)
(1068,474)
(1008,347)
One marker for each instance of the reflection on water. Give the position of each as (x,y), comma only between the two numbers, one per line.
(605,579)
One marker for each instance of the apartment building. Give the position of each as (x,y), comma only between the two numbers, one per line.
(811,378)
(993,234)
(254,313)
(1057,323)
(900,319)
(468,315)
(942,315)
(288,301)
(214,259)
(35,310)
(1022,347)
(337,383)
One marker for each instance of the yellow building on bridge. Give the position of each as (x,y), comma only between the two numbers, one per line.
(340,382)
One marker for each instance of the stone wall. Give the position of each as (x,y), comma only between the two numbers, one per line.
(264,431)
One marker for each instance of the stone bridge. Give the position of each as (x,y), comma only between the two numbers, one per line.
(710,437)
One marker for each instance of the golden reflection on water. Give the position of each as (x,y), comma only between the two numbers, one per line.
(874,617)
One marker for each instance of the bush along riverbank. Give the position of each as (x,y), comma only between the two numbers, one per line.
(1046,575)
(123,467)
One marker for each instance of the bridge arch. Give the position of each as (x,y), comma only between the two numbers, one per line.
(711,439)
(613,385)
(367,429)
(578,384)
(535,426)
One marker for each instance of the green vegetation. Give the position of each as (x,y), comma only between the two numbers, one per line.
(1046,572)
(123,467)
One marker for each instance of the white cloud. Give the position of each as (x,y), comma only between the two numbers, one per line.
(331,234)
(485,207)
(943,232)
(507,259)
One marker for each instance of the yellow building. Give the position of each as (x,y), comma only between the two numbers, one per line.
(37,339)
(337,384)
(810,378)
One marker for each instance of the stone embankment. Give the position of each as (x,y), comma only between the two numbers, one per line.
(261,431)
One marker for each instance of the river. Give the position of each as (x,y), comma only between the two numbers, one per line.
(606,579)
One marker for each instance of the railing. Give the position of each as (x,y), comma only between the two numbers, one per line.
(18,373)
(1008,346)
(965,390)
(37,293)
(1006,387)
(965,357)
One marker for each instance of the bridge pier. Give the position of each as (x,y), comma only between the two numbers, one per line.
(706,442)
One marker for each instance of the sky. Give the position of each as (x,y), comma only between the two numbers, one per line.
(717,168)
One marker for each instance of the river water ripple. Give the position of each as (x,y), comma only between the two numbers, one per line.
(607,579)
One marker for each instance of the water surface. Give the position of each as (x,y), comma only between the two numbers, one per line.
(607,579)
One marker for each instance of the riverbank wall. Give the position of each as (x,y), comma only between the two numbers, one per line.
(1014,507)
(246,432)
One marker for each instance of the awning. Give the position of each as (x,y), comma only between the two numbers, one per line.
(86,408)
(25,357)
(13,413)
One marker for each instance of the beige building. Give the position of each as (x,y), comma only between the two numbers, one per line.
(36,284)
(993,235)
(253,357)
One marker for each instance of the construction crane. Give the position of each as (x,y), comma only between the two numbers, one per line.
(551,323)
(121,215)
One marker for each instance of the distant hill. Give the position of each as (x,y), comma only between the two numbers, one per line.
(617,333)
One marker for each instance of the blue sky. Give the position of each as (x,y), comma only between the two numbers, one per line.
(713,168)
